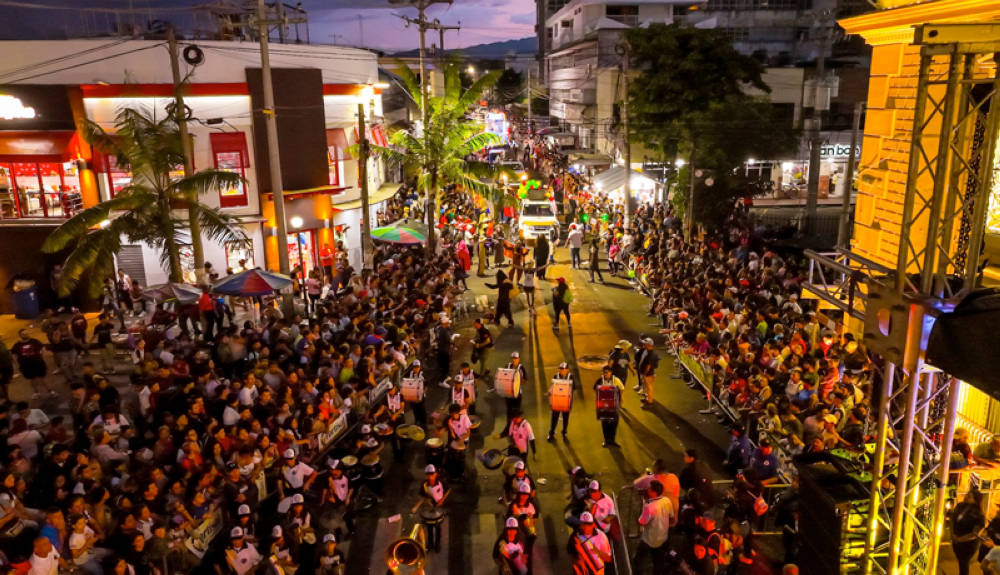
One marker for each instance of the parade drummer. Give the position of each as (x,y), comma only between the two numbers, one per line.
(519,478)
(520,435)
(418,408)
(391,414)
(510,550)
(469,379)
(563,373)
(336,500)
(525,510)
(459,427)
(609,414)
(435,493)
(296,478)
(515,402)
(589,547)
(460,395)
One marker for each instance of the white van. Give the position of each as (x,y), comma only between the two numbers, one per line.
(536,218)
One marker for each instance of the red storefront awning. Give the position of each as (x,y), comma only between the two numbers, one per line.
(31,147)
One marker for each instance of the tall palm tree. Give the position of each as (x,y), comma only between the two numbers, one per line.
(449,138)
(150,209)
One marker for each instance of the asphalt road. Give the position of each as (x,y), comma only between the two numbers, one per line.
(602,314)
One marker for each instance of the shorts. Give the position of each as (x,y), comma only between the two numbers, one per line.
(34,369)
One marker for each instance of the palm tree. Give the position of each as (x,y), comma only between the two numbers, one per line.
(147,210)
(449,138)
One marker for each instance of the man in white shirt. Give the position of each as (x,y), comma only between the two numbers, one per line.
(656,519)
(575,241)
(241,556)
(46,560)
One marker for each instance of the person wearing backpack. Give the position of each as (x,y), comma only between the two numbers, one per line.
(607,397)
(561,298)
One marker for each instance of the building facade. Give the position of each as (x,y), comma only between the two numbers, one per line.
(48,173)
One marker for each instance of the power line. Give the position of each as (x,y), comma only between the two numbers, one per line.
(77,65)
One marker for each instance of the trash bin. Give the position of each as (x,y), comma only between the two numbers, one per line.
(25,302)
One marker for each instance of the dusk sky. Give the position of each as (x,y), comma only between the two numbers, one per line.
(482,21)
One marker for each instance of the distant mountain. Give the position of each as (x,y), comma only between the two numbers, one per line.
(497,50)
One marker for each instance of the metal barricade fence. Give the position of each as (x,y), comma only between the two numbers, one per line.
(621,527)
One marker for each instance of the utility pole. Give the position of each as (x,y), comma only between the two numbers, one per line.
(629,198)
(529,98)
(689,212)
(814,125)
(270,122)
(366,222)
(361,29)
(844,237)
(180,116)
(422,26)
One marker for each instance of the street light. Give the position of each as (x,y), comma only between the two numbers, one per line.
(471,70)
(679,163)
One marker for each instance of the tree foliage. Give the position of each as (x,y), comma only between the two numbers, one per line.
(443,154)
(152,209)
(691,100)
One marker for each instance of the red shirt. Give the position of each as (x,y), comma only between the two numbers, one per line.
(206,303)
(326,256)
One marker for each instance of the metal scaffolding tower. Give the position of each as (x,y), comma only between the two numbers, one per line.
(951,173)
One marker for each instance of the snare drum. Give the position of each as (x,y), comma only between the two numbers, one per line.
(432,515)
(507,382)
(561,395)
(351,469)
(474,421)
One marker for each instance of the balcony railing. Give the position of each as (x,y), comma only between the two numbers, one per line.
(628,20)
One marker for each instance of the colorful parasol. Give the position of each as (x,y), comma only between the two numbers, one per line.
(405,231)
(257,283)
(183,293)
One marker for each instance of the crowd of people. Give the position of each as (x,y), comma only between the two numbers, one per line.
(251,446)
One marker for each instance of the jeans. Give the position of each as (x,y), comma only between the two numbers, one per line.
(562,309)
(644,550)
(574,257)
(484,356)
(555,420)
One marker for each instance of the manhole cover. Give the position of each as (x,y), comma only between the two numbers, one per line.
(592,361)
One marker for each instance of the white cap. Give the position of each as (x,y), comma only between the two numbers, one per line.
(236,533)
(594,486)
(416,363)
(243,510)
(524,488)
(518,465)
(329,538)
(445,319)
(333,463)
(563,366)
(366,429)
(586,517)
(515,355)
(297,499)
(648,341)
(511,523)
(289,454)
(459,379)
(276,532)
(430,469)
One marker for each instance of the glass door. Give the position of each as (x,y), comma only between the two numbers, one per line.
(302,251)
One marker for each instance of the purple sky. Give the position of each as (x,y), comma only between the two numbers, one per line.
(482,21)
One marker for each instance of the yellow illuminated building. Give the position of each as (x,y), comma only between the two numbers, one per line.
(885,153)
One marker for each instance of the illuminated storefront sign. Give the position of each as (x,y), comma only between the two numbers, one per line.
(837,151)
(11,108)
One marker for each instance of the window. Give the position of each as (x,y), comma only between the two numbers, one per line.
(231,155)
(628,15)
(118,177)
(39,190)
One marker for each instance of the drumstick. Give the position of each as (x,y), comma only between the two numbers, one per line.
(417,506)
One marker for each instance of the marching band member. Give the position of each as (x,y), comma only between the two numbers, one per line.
(469,379)
(459,427)
(515,402)
(525,510)
(460,395)
(522,438)
(563,373)
(419,411)
(607,397)
(435,493)
(589,547)
(296,477)
(510,550)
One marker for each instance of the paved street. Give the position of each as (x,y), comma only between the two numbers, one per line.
(602,314)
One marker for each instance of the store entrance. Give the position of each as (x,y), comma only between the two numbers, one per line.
(302,250)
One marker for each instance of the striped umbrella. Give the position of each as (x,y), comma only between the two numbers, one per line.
(405,231)
(252,283)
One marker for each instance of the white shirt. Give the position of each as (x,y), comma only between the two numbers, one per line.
(602,509)
(460,426)
(598,541)
(36,419)
(166,357)
(521,434)
(655,519)
(296,476)
(248,395)
(230,416)
(246,558)
(48,565)
(77,541)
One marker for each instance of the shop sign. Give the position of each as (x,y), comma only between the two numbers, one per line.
(830,151)
(12,108)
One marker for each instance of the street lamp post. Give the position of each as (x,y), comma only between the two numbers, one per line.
(297,223)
